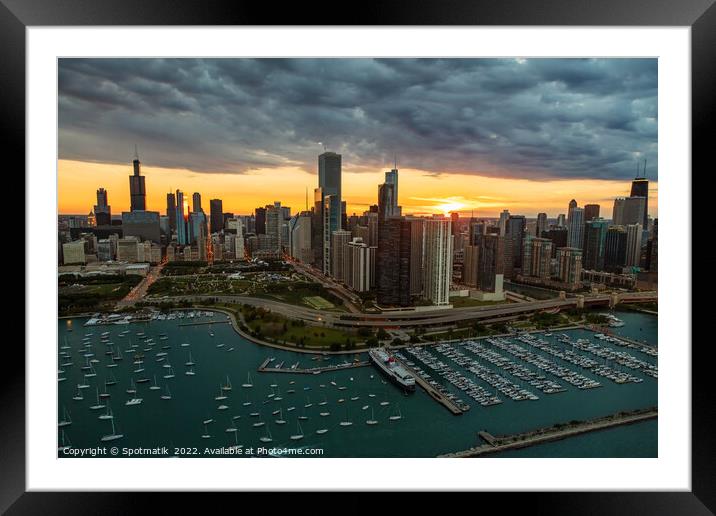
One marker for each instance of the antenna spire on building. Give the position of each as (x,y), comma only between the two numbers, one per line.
(136,152)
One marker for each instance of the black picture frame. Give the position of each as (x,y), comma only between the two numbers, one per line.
(700,15)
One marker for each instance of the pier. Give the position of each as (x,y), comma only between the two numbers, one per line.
(263,368)
(432,392)
(553,433)
(203,322)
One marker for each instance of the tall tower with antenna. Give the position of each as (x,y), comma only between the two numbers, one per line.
(137,189)
(640,188)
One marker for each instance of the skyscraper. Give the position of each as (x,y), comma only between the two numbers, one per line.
(503,222)
(633,211)
(591,211)
(417,254)
(216,212)
(340,259)
(514,234)
(260,221)
(615,248)
(618,212)
(362,265)
(182,217)
(386,201)
(391,177)
(196,203)
(633,245)
(172,211)
(541,224)
(393,262)
(438,261)
(536,257)
(569,266)
(575,227)
(595,236)
(102,210)
(640,188)
(274,220)
(137,190)
(329,183)
(490,269)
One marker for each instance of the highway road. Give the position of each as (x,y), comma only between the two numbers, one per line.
(412,318)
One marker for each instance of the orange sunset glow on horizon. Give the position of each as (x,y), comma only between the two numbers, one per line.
(421,193)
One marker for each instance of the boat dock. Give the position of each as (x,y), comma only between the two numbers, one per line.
(432,392)
(203,322)
(264,368)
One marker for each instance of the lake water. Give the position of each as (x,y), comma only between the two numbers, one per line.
(426,429)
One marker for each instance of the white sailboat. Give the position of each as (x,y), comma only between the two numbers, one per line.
(396,417)
(346,421)
(266,438)
(132,388)
(280,420)
(106,415)
(98,405)
(65,443)
(78,396)
(321,431)
(189,362)
(299,433)
(206,434)
(248,383)
(66,420)
(133,401)
(227,387)
(154,387)
(372,420)
(190,372)
(220,396)
(113,436)
(171,373)
(167,395)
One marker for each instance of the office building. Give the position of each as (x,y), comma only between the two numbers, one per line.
(301,237)
(541,225)
(595,236)
(216,214)
(575,227)
(417,255)
(102,210)
(633,245)
(615,249)
(142,224)
(196,203)
(74,252)
(514,235)
(640,188)
(172,212)
(137,189)
(591,211)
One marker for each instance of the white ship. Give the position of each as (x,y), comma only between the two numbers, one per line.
(390,367)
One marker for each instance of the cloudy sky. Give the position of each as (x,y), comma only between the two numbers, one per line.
(479,134)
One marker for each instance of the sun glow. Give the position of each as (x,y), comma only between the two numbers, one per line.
(449,207)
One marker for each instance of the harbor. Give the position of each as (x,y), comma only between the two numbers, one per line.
(161,382)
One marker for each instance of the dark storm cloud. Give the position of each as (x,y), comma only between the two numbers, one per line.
(535,118)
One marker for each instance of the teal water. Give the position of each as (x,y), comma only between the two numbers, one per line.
(425,430)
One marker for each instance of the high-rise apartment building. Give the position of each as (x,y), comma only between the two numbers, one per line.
(216,214)
(438,261)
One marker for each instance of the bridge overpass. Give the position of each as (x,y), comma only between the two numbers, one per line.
(424,317)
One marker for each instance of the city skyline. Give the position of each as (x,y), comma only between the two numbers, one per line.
(77,192)
(526,135)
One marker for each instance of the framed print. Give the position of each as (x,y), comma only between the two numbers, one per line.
(424,256)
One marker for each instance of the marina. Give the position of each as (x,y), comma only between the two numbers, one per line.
(504,385)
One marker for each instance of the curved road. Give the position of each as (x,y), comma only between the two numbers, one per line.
(413,318)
